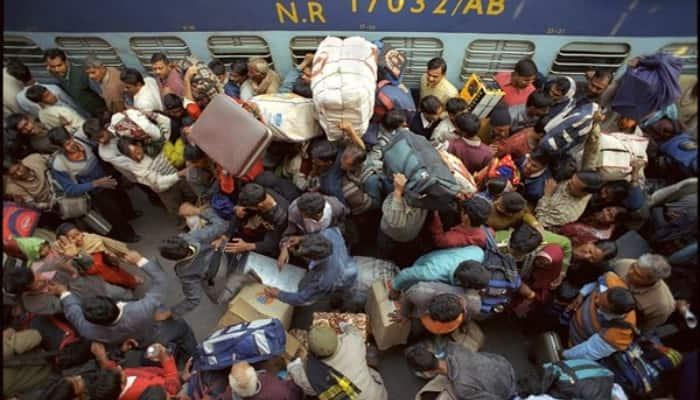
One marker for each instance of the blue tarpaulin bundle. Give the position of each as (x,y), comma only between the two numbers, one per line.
(648,87)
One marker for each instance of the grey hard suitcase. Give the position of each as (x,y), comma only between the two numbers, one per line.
(230,135)
(545,348)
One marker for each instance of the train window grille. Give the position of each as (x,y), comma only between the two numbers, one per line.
(687,52)
(575,58)
(229,49)
(418,52)
(25,50)
(77,48)
(300,45)
(145,46)
(487,57)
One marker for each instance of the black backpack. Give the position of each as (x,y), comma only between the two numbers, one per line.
(577,379)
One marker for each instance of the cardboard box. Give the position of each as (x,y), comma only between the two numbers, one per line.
(386,333)
(251,304)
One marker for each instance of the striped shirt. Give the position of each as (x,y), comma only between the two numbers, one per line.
(156,173)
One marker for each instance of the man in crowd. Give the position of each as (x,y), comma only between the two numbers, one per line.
(74,81)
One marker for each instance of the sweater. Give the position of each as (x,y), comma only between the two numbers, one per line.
(77,84)
(474,154)
(139,379)
(438,265)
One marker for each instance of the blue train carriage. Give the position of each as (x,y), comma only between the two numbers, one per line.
(480,36)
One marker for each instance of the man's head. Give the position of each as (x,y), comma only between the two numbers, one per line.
(257,69)
(61,138)
(496,185)
(471,274)
(172,104)
(524,74)
(615,192)
(524,240)
(444,315)
(454,106)
(243,379)
(41,95)
(174,248)
(22,123)
(323,341)
(536,162)
(431,108)
(19,279)
(96,131)
(393,120)
(538,103)
(615,303)
(132,80)
(160,64)
(19,71)
(557,88)
(239,72)
(100,310)
(18,171)
(311,205)
(437,67)
(256,197)
(596,83)
(72,232)
(195,156)
(467,125)
(500,122)
(510,203)
(313,247)
(595,252)
(649,269)
(584,182)
(323,153)
(475,211)
(106,384)
(352,158)
(422,360)
(94,68)
(302,88)
(56,62)
(219,69)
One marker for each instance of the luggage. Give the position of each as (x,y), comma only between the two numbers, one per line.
(96,222)
(17,221)
(385,332)
(393,97)
(462,176)
(545,348)
(266,271)
(430,184)
(682,151)
(230,135)
(253,341)
(343,83)
(203,82)
(290,117)
(616,152)
(577,379)
(481,97)
(504,281)
(251,304)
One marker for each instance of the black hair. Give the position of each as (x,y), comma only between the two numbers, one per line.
(64,228)
(311,203)
(430,105)
(591,179)
(496,185)
(394,119)
(153,392)
(539,99)
(618,190)
(93,128)
(106,384)
(174,248)
(608,247)
(513,202)
(563,168)
(100,310)
(455,105)
(445,307)
(525,239)
(438,62)
(540,124)
(239,68)
(563,84)
(172,101)
(193,153)
(13,120)
(217,67)
(131,76)
(53,53)
(123,144)
(74,354)
(35,93)
(621,300)
(323,150)
(59,136)
(302,89)
(526,67)
(251,194)
(61,389)
(566,292)
(314,247)
(471,274)
(358,155)
(540,156)
(602,74)
(159,57)
(477,209)
(19,71)
(420,358)
(18,279)
(467,124)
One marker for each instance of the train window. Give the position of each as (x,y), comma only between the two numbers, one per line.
(300,45)
(145,46)
(687,52)
(418,52)
(576,58)
(25,50)
(238,48)
(486,57)
(77,48)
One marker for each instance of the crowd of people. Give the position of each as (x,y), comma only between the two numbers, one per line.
(549,234)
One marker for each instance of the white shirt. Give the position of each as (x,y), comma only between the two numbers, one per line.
(33,108)
(148,97)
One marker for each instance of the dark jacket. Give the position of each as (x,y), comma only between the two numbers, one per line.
(416,126)
(77,84)
(276,219)
(479,375)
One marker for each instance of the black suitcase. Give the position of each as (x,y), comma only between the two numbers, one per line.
(545,348)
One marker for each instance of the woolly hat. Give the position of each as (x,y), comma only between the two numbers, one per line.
(323,340)
(30,247)
(500,116)
(478,209)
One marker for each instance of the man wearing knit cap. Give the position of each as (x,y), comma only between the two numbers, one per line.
(497,126)
(474,212)
(340,359)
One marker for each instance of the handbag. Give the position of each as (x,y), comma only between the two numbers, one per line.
(72,207)
(96,222)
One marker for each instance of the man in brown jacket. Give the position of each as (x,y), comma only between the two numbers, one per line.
(105,81)
(21,379)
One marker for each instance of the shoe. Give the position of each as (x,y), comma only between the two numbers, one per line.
(133,239)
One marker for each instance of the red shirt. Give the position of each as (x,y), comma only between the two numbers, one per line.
(166,377)
(458,236)
(514,96)
(474,157)
(516,145)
